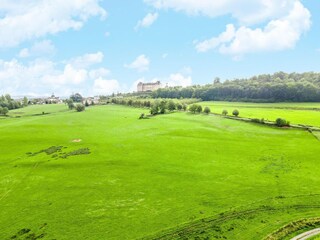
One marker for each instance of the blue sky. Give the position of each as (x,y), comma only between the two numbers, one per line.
(99,47)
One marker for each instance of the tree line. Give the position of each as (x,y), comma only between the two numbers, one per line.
(278,87)
(8,103)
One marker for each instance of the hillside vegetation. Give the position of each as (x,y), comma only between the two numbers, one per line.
(279,87)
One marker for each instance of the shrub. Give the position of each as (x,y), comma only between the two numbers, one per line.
(199,109)
(179,106)
(256,120)
(207,110)
(193,108)
(80,107)
(141,116)
(281,122)
(235,113)
(225,112)
(4,111)
(154,108)
(184,107)
(171,106)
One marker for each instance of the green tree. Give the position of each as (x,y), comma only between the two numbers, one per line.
(193,108)
(76,98)
(4,111)
(25,101)
(86,103)
(280,122)
(225,112)
(207,110)
(163,107)
(184,107)
(80,107)
(70,104)
(179,106)
(235,113)
(199,109)
(171,106)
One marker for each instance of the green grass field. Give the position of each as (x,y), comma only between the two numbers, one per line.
(296,113)
(174,176)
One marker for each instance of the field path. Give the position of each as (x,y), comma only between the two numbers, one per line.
(307,235)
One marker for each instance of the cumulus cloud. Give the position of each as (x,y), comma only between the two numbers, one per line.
(26,20)
(279,34)
(87,60)
(38,49)
(20,78)
(244,11)
(178,79)
(283,21)
(147,21)
(104,87)
(141,64)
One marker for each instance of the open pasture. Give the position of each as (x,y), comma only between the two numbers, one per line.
(167,177)
(295,113)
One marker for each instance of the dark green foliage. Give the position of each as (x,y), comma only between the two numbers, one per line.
(171,106)
(279,87)
(4,111)
(76,97)
(141,116)
(70,104)
(193,108)
(86,104)
(154,108)
(179,106)
(225,112)
(184,107)
(257,120)
(7,102)
(235,113)
(199,109)
(280,122)
(207,110)
(80,107)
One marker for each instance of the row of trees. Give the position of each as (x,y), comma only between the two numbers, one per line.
(294,87)
(7,102)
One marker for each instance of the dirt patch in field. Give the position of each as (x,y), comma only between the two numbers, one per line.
(76,140)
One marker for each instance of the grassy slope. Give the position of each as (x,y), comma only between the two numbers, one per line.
(144,176)
(270,112)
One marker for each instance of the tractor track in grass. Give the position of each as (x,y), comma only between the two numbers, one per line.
(197,227)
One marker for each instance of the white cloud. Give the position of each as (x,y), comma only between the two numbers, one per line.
(283,23)
(104,87)
(244,11)
(279,34)
(107,34)
(178,79)
(87,60)
(26,20)
(141,64)
(45,76)
(38,49)
(147,21)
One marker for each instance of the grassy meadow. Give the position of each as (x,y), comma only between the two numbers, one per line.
(296,113)
(104,174)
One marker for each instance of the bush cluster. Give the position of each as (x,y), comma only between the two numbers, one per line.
(281,122)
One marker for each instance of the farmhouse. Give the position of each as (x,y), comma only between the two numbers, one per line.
(148,87)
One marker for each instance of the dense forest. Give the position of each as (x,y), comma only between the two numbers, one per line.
(279,87)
